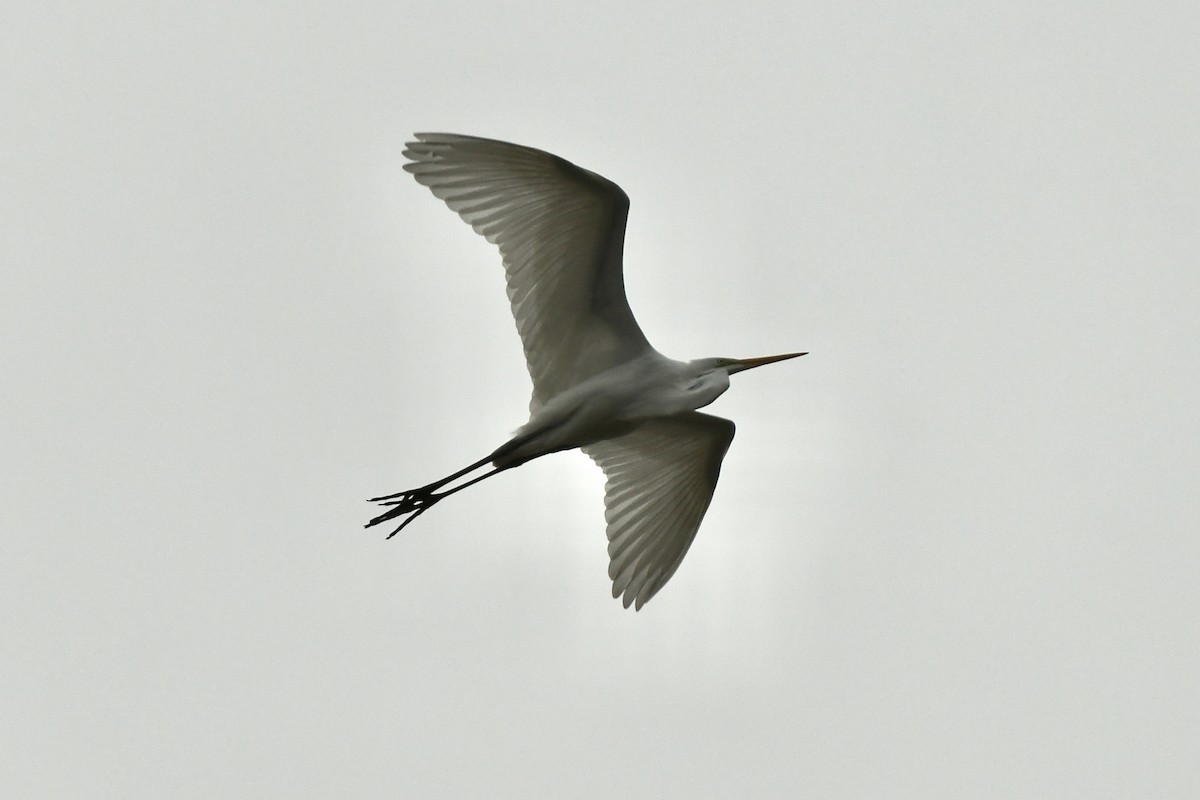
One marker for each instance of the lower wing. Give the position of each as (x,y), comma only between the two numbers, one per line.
(660,482)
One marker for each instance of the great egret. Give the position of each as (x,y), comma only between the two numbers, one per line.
(597,383)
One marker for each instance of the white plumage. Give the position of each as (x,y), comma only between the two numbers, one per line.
(598,385)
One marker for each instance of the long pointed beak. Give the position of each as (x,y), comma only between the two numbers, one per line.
(751,363)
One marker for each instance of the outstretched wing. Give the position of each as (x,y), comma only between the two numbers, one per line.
(561,233)
(660,481)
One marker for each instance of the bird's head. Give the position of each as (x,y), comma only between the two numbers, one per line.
(710,376)
(732,365)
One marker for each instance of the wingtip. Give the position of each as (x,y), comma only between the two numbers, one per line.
(421,141)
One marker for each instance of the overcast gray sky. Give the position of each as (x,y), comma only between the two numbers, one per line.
(954,551)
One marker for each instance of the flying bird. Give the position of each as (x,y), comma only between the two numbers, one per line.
(598,385)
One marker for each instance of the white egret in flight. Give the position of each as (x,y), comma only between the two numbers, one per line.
(597,383)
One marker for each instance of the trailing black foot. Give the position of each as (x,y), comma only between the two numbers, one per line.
(410,505)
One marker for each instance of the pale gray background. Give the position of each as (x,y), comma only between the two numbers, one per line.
(954,552)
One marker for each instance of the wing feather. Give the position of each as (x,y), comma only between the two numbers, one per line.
(660,481)
(561,233)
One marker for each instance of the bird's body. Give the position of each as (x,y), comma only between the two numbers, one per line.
(598,385)
(614,403)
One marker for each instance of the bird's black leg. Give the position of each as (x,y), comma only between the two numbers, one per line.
(412,503)
(416,502)
(399,497)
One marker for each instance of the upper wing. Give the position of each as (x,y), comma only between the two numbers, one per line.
(561,231)
(660,481)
